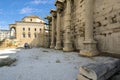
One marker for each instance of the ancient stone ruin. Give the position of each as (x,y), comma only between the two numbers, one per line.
(100,71)
(90,26)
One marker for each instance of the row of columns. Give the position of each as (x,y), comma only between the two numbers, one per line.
(89,43)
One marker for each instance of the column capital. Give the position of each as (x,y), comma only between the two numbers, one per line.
(49,18)
(53,12)
(59,5)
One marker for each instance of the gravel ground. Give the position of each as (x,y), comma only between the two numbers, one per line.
(44,64)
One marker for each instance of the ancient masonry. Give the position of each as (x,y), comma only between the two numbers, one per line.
(90,26)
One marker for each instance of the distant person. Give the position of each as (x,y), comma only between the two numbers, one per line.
(26,45)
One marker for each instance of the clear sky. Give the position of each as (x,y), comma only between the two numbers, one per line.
(15,10)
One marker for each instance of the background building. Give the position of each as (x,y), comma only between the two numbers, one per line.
(29,30)
(4,34)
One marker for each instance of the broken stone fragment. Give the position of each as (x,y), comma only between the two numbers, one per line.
(116,76)
(100,71)
(81,77)
(7,61)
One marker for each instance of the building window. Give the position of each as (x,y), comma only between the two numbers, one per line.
(35,35)
(29,35)
(28,29)
(23,29)
(40,29)
(35,29)
(23,35)
(31,20)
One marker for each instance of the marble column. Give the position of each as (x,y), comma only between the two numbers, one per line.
(68,43)
(58,37)
(53,12)
(89,43)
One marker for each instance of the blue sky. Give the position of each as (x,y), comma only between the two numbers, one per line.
(15,10)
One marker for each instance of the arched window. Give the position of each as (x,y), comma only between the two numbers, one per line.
(23,29)
(29,35)
(31,20)
(28,29)
(35,35)
(40,29)
(12,33)
(35,29)
(23,35)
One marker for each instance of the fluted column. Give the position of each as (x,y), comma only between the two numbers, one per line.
(89,43)
(53,29)
(68,43)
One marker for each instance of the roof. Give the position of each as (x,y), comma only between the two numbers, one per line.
(32,16)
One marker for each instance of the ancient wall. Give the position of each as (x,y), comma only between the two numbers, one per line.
(107,25)
(78,23)
(62,21)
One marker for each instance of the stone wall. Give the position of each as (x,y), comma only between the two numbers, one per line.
(87,25)
(107,25)
(78,23)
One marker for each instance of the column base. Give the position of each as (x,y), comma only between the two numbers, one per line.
(52,46)
(68,47)
(90,49)
(58,46)
(88,53)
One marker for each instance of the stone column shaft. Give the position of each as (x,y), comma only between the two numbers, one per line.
(89,43)
(89,20)
(58,41)
(53,33)
(68,44)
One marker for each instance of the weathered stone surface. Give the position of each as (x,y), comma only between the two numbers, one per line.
(107,33)
(81,77)
(7,61)
(115,77)
(100,71)
(88,20)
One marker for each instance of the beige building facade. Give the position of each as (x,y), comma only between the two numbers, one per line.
(89,26)
(4,34)
(29,30)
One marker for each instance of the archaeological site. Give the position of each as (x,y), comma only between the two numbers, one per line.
(88,26)
(76,40)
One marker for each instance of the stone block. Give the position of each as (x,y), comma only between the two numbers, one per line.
(81,77)
(100,71)
(93,71)
(7,61)
(116,77)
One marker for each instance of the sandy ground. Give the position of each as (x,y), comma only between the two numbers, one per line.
(44,64)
